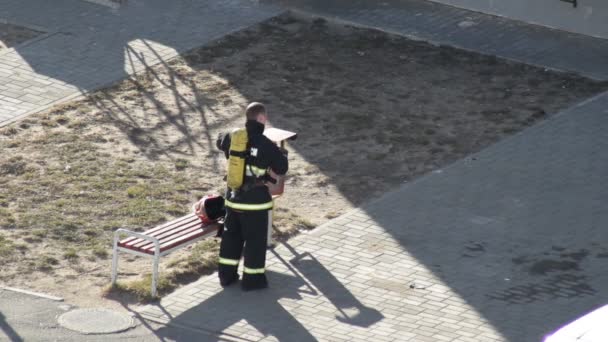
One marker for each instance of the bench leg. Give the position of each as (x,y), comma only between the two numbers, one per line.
(155,273)
(115,252)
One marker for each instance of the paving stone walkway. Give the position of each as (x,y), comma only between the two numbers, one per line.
(506,245)
(87,46)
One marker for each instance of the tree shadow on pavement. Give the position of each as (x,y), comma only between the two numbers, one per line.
(310,270)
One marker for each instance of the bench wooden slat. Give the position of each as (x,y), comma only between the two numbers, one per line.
(170,225)
(154,232)
(168,244)
(170,234)
(166,234)
(184,238)
(174,235)
(178,221)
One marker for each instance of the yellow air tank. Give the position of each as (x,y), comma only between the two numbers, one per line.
(236,159)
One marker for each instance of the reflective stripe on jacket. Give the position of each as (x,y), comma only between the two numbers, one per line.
(249,206)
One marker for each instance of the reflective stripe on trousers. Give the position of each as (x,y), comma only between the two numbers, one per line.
(253,270)
(229,262)
(247,206)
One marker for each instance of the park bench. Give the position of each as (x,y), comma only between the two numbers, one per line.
(181,232)
(161,240)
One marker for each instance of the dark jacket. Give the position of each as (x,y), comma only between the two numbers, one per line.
(263,154)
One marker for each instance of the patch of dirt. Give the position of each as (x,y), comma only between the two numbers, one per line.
(12,35)
(372,111)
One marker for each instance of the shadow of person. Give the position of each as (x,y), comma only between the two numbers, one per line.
(351,310)
(261,310)
(8,331)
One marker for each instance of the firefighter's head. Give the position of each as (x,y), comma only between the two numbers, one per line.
(257,112)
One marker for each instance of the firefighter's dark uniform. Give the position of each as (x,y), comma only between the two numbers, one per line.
(247,210)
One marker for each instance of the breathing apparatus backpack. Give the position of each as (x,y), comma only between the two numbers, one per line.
(236,159)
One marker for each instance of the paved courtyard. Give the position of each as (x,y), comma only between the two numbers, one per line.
(506,245)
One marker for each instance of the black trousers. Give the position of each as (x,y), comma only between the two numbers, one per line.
(245,234)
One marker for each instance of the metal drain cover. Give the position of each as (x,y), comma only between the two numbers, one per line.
(96,321)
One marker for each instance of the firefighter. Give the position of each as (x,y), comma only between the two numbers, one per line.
(252,158)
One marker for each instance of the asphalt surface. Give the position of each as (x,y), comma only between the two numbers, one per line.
(29,318)
(26,317)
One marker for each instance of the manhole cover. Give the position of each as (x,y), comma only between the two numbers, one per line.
(95,321)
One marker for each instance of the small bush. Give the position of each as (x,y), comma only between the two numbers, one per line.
(62,119)
(181,164)
(76,124)
(136,191)
(21,247)
(91,232)
(67,231)
(9,131)
(14,166)
(173,209)
(7,248)
(70,254)
(40,233)
(7,220)
(302,223)
(46,263)
(141,288)
(332,215)
(100,252)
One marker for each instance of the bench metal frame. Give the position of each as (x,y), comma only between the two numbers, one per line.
(116,249)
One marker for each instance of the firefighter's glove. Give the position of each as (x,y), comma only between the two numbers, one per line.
(220,231)
(268,179)
(218,141)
